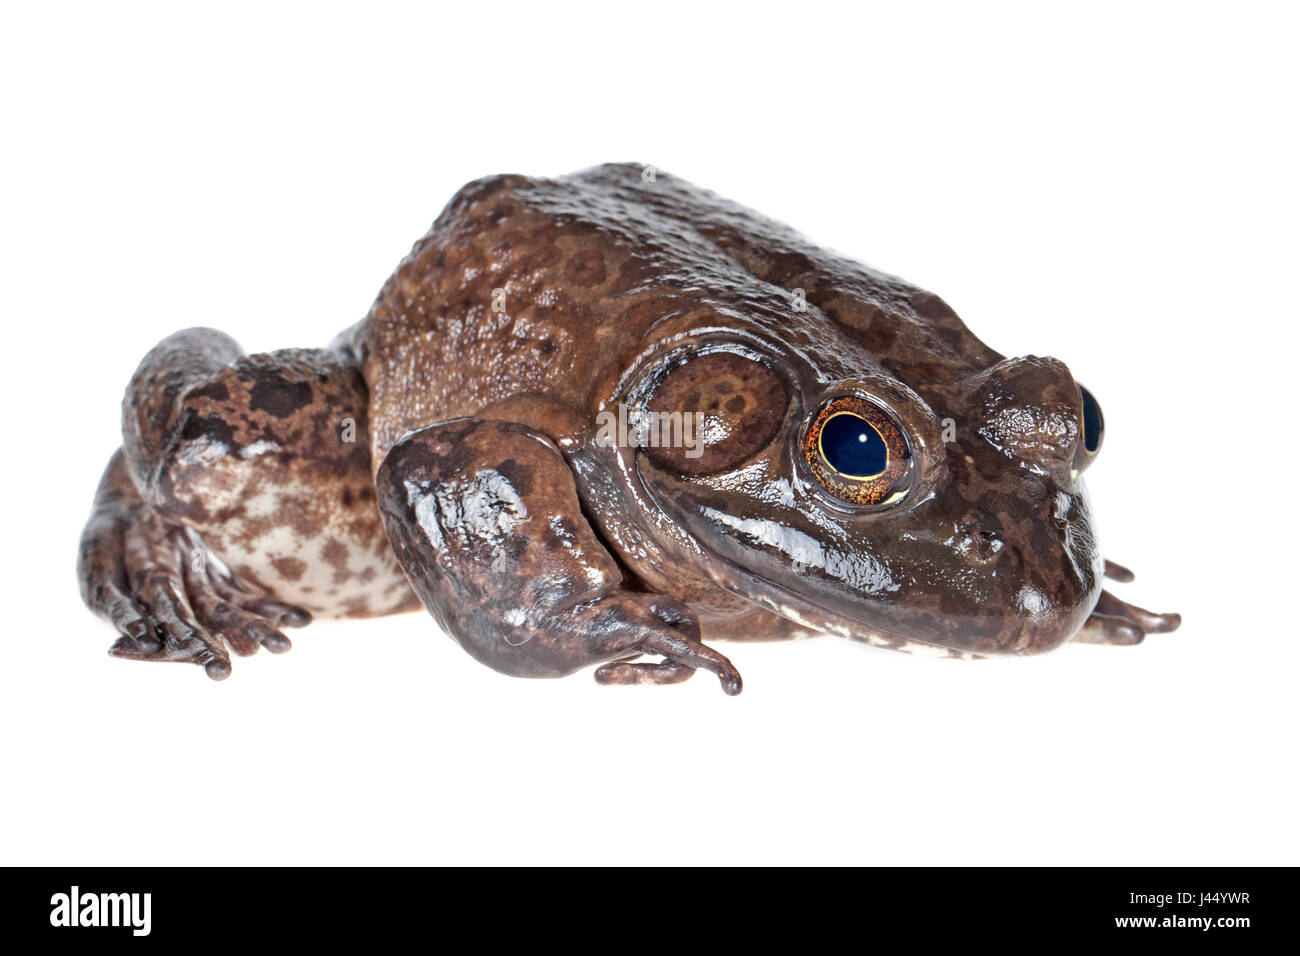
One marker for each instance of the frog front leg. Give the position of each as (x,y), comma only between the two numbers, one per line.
(485,519)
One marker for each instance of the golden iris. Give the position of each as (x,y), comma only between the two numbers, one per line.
(856,452)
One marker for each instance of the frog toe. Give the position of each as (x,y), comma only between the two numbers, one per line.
(1105,629)
(1117,572)
(169,598)
(635,672)
(181,624)
(656,624)
(261,606)
(178,636)
(109,597)
(630,671)
(243,630)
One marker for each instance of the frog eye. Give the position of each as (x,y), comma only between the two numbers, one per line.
(1094,427)
(857,453)
(712,412)
(1092,431)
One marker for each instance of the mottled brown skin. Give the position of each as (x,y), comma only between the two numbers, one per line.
(474,390)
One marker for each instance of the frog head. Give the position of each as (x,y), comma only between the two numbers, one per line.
(809,480)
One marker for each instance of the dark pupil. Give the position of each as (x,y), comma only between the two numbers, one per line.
(853,447)
(1091,422)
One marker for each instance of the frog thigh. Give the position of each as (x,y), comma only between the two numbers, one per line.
(268,459)
(241,501)
(485,519)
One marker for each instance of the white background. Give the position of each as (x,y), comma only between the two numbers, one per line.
(1113,185)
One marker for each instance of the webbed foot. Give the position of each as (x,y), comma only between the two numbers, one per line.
(170,598)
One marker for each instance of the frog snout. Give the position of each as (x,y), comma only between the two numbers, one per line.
(1035,578)
(1052,596)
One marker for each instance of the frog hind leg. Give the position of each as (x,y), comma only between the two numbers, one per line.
(485,519)
(236,505)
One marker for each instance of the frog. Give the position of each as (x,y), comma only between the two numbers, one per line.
(606,421)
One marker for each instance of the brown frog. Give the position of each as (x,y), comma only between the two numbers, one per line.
(605,416)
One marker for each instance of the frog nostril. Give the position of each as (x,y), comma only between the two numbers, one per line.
(984,544)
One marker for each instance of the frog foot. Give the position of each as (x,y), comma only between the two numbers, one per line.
(169,596)
(682,653)
(1117,622)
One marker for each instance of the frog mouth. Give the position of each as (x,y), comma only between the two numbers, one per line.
(784,602)
(744,583)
